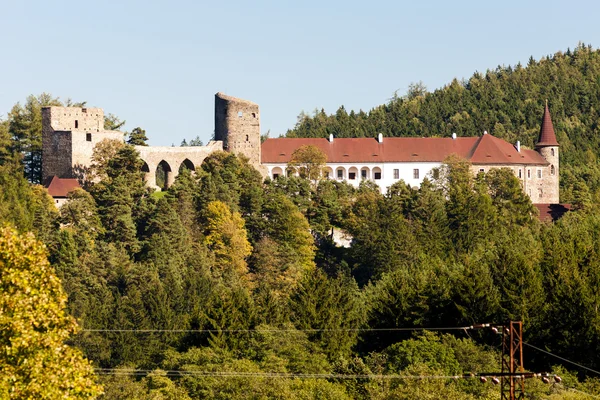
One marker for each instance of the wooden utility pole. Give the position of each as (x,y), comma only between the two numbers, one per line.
(512,377)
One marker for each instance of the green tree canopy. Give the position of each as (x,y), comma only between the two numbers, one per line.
(34,325)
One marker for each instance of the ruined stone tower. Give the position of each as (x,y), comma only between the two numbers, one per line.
(69,135)
(547,146)
(237,124)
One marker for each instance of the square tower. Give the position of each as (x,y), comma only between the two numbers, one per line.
(69,135)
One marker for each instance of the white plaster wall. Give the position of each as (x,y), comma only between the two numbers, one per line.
(387,172)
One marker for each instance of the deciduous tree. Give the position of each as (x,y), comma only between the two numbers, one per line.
(34,359)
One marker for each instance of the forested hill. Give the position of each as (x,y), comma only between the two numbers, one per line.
(507,102)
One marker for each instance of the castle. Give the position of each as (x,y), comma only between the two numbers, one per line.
(70,134)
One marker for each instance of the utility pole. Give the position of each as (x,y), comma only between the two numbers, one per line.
(512,377)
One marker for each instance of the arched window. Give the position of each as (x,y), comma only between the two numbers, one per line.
(552,152)
(552,170)
(352,173)
(276,172)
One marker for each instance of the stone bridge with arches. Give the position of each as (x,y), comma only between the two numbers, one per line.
(171,160)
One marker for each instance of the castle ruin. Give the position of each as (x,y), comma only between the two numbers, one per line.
(69,135)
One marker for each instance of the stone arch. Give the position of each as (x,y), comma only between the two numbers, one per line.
(148,177)
(328,173)
(187,164)
(352,173)
(163,175)
(276,172)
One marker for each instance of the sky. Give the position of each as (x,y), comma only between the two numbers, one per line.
(158,64)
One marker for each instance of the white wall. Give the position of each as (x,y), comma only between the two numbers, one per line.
(405,170)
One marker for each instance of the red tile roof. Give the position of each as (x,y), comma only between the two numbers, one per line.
(479,150)
(60,187)
(547,136)
(552,212)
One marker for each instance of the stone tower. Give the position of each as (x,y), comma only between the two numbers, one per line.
(547,146)
(69,135)
(237,124)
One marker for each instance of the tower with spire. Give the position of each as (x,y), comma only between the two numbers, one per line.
(547,146)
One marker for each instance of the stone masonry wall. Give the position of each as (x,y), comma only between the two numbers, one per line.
(69,135)
(550,183)
(541,190)
(237,124)
(173,159)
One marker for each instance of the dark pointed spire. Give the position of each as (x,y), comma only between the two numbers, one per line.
(547,136)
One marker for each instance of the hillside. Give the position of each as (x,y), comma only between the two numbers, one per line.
(507,102)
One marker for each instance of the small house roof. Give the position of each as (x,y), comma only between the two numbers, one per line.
(60,187)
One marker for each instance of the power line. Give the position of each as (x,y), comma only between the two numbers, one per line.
(237,374)
(561,358)
(465,328)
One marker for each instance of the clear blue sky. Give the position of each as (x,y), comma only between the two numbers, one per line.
(158,64)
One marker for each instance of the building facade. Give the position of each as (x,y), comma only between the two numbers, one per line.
(386,161)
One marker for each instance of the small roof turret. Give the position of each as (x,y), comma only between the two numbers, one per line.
(547,136)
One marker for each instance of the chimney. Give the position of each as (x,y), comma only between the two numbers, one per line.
(380,138)
(485,132)
(518,146)
(453,135)
(331,138)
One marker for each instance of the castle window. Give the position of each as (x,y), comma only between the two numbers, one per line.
(76,124)
(377,175)
(254,116)
(275,176)
(528,174)
(396,174)
(540,193)
(240,114)
(552,170)
(552,152)
(247,138)
(88,137)
(326,174)
(481,170)
(363,174)
(539,173)
(340,174)
(416,173)
(84,110)
(520,173)
(351,175)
